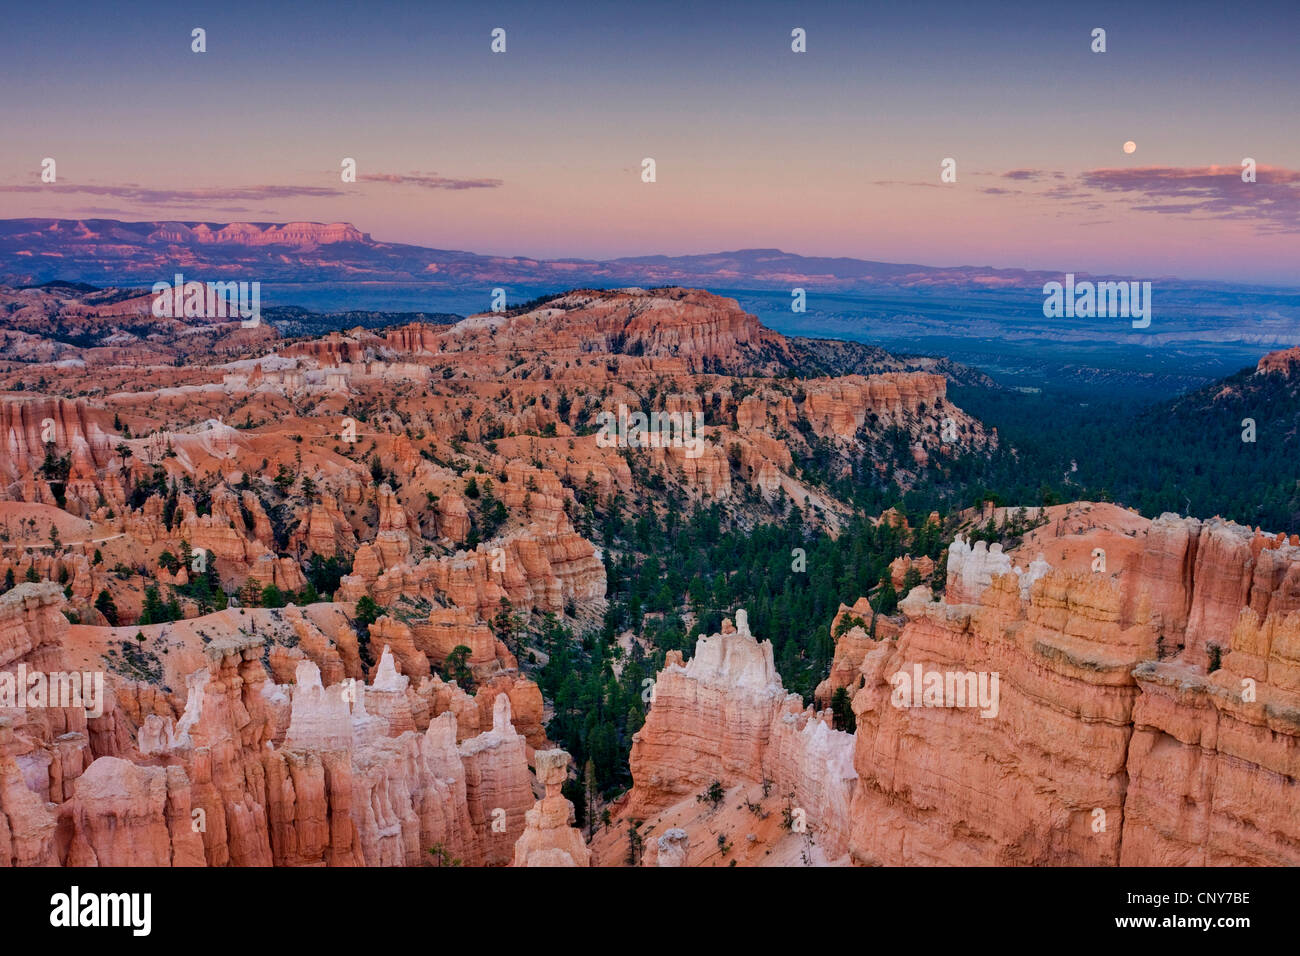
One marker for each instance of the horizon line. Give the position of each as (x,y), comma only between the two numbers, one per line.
(627,258)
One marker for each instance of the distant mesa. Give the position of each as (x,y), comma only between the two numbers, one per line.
(110,251)
(259,233)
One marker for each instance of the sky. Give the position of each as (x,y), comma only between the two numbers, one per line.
(538,151)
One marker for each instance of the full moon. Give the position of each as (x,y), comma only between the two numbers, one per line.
(1130,147)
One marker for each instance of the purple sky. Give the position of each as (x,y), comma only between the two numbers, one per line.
(538,151)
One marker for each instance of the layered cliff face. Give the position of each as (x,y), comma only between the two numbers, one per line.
(1199,575)
(710,719)
(724,718)
(1051,709)
(842,406)
(531,569)
(1214,758)
(35,430)
(1118,737)
(1012,777)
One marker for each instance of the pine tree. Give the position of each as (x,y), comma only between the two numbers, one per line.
(592,794)
(842,711)
(456,667)
(105,606)
(366,614)
(153,612)
(271,596)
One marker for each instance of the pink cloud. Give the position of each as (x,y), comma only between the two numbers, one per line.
(130,192)
(1272,201)
(430,181)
